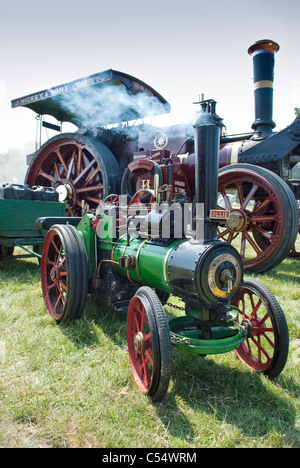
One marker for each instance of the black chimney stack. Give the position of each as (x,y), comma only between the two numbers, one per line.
(263,52)
(207,130)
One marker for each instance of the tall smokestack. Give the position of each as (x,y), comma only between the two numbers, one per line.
(263,52)
(207,130)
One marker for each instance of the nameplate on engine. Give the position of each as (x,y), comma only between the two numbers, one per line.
(219,214)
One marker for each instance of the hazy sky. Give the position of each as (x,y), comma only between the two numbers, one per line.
(180,48)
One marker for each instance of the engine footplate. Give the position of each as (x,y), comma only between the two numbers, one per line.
(226,335)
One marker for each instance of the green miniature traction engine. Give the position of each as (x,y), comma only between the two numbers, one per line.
(134,257)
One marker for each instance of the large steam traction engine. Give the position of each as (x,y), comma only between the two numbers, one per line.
(111,155)
(124,256)
(126,261)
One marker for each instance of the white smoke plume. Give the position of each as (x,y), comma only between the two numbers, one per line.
(96,107)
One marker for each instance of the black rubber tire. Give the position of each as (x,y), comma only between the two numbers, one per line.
(82,271)
(164,343)
(161,339)
(163,296)
(76,281)
(279,324)
(290,216)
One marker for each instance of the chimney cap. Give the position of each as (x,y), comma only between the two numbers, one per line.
(266,44)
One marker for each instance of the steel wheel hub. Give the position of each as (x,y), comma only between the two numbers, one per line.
(139,342)
(54,274)
(65,191)
(237,220)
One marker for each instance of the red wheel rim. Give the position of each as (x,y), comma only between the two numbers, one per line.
(257,351)
(260,227)
(141,199)
(141,344)
(71,163)
(54,274)
(112,200)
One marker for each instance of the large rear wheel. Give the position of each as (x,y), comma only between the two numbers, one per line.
(264,220)
(79,167)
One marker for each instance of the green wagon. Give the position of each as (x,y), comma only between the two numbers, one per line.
(20,207)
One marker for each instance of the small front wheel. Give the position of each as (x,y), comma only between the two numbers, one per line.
(149,343)
(266,347)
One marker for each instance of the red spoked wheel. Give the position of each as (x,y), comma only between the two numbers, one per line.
(64,273)
(79,167)
(141,200)
(149,343)
(266,348)
(263,222)
(112,199)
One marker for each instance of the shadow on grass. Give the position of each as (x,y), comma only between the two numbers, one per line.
(95,321)
(227,395)
(19,270)
(211,387)
(220,393)
(286,271)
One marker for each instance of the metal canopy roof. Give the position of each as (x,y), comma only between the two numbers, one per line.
(100,99)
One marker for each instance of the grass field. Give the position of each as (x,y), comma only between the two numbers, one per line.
(72,386)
